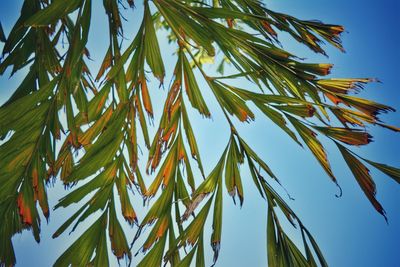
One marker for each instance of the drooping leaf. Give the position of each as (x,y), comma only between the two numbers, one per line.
(363,177)
(192,89)
(309,137)
(153,54)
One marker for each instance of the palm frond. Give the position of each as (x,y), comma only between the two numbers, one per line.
(100,154)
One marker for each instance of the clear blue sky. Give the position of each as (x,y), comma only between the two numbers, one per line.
(348,229)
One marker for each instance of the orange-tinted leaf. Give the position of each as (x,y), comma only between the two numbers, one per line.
(363,177)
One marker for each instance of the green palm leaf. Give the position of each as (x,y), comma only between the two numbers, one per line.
(101,152)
